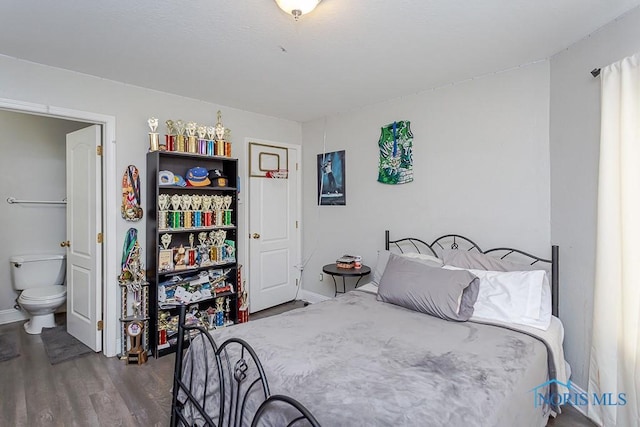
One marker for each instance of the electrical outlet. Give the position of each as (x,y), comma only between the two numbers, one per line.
(321,278)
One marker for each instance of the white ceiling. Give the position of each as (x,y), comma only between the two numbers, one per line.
(250,55)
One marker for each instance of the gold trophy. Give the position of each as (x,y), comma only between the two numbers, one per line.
(191,137)
(154,140)
(219,132)
(180,143)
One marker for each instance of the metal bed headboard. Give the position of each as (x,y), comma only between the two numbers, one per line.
(455,241)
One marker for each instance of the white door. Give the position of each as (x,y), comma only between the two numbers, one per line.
(84,253)
(274,225)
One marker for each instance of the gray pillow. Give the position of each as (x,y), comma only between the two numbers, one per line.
(383,259)
(480,261)
(447,294)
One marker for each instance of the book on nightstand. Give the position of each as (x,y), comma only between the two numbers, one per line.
(346,261)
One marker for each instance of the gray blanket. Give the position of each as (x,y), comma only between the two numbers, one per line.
(355,361)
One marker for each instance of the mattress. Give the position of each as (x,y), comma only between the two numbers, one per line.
(355,361)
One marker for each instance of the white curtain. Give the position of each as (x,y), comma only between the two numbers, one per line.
(615,349)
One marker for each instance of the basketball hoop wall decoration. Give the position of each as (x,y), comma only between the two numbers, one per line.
(268,161)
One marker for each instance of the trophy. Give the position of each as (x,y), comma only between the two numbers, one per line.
(180,145)
(170,137)
(203,249)
(136,353)
(218,203)
(163,202)
(175,214)
(219,135)
(165,255)
(218,237)
(227,142)
(185,204)
(163,206)
(206,202)
(227,312)
(219,128)
(219,312)
(154,141)
(196,201)
(211,133)
(191,137)
(226,202)
(207,220)
(175,202)
(180,258)
(202,142)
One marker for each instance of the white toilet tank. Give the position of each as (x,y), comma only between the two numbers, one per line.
(37,270)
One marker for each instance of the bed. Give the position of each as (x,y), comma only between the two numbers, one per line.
(357,361)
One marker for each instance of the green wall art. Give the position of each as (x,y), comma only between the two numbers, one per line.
(396,153)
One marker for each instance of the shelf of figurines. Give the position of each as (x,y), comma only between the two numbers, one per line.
(216,316)
(194,287)
(191,138)
(186,212)
(210,297)
(184,230)
(213,250)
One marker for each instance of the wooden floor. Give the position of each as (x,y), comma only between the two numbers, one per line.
(94,390)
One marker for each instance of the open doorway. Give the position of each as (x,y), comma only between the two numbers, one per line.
(45,167)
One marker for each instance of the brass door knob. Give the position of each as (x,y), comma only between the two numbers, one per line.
(67,244)
(255,235)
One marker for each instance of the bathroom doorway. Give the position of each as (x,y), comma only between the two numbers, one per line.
(40,165)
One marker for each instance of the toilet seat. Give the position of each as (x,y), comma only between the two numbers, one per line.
(45,293)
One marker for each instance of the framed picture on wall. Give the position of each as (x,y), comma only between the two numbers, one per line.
(332,189)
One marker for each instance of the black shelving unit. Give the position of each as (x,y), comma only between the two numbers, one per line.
(179,163)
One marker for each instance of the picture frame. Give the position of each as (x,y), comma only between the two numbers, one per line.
(332,189)
(165,260)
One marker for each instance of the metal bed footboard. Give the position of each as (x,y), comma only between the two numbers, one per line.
(233,392)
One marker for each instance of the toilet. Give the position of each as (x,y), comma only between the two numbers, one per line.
(40,278)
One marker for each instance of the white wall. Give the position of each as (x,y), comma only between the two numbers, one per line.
(132,106)
(33,168)
(575,140)
(481,169)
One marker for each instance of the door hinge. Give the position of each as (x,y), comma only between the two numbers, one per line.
(99,150)
(296,224)
(296,166)
(100,325)
(99,238)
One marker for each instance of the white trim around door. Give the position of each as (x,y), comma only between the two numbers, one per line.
(244,201)
(109,206)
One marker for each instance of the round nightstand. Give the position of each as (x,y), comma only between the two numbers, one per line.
(333,271)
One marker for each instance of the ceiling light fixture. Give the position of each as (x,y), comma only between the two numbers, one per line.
(297,8)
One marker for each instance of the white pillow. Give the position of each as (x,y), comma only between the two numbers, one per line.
(383,259)
(519,297)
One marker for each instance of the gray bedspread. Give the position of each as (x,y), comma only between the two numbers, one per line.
(355,361)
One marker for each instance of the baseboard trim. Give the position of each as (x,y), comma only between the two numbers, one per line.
(312,297)
(580,408)
(11,315)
